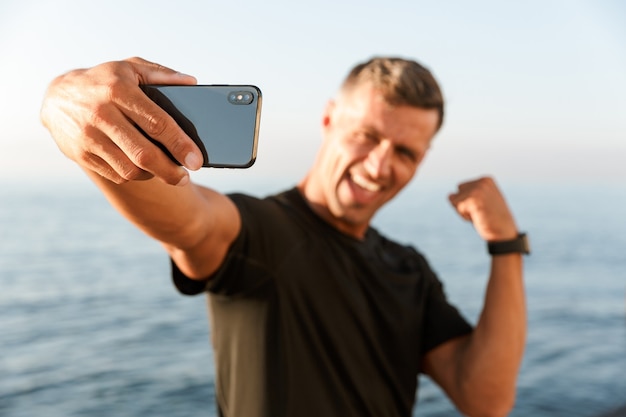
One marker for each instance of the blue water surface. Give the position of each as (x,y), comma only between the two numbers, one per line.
(90,324)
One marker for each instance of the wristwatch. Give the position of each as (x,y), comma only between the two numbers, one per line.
(518,245)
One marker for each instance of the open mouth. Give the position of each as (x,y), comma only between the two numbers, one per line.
(364,190)
(365,183)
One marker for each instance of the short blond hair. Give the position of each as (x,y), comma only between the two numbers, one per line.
(401,82)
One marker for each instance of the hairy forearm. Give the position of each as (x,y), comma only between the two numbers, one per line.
(162,211)
(196,225)
(491,359)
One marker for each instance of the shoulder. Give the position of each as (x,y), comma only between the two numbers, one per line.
(400,256)
(249,202)
(283,210)
(258,210)
(268,224)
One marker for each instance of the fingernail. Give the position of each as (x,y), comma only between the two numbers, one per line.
(183,181)
(193,162)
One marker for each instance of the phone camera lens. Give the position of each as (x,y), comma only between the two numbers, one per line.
(240,97)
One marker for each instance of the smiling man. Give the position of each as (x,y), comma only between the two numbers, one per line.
(374,141)
(313,311)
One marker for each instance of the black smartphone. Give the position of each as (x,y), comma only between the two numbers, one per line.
(223,120)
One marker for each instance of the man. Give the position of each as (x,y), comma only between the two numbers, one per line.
(313,312)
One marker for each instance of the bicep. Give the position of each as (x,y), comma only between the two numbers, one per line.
(443,365)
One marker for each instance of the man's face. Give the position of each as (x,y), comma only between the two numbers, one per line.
(371,150)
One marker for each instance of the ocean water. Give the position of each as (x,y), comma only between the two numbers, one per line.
(90,324)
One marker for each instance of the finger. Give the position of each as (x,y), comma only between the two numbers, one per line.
(93,163)
(454,198)
(482,183)
(461,206)
(459,197)
(153,73)
(477,190)
(161,127)
(106,170)
(107,160)
(136,153)
(158,125)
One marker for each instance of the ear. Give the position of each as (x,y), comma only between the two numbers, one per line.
(327,116)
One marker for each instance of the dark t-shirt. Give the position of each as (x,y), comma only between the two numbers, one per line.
(307,321)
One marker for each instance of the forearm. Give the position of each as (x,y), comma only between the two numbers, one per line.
(162,211)
(491,359)
(195,225)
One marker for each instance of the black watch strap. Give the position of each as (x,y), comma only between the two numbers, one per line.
(518,245)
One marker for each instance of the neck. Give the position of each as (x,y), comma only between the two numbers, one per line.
(316,201)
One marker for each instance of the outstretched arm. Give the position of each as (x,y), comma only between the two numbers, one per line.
(92,115)
(479,371)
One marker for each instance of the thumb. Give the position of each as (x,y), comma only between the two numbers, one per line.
(152,73)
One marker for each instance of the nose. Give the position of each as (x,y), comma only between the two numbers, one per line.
(378,161)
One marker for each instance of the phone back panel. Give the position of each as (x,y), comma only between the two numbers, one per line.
(223,120)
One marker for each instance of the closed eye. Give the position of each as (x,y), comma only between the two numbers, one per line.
(406,153)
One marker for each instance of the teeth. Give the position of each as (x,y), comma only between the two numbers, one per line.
(364,183)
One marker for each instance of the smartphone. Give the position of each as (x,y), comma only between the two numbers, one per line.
(223,120)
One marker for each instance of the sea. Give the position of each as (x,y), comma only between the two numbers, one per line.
(91,325)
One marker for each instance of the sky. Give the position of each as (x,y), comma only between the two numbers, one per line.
(535,90)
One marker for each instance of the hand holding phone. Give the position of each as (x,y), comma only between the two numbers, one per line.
(223,120)
(109,144)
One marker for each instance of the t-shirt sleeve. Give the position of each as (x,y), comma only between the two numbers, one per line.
(186,285)
(234,276)
(245,267)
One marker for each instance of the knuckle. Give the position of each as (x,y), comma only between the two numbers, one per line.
(115,90)
(488,181)
(97,116)
(85,159)
(135,59)
(130,173)
(156,127)
(178,146)
(113,176)
(113,80)
(109,90)
(144,156)
(147,162)
(482,184)
(97,165)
